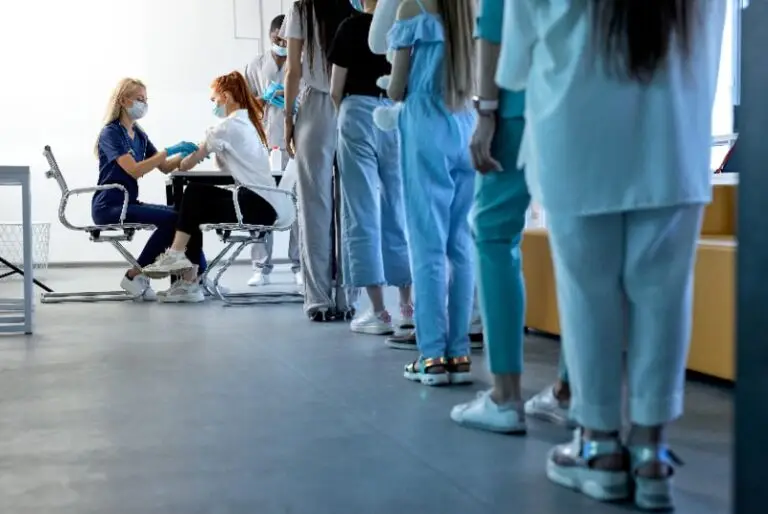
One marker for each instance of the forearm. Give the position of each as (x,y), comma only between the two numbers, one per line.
(147,165)
(399,78)
(194,159)
(171,164)
(488,58)
(338,81)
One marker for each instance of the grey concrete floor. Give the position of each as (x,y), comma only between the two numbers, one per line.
(121,408)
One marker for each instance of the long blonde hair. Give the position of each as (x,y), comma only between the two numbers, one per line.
(458,19)
(125,87)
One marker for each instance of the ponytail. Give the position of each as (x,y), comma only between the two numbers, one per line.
(235,84)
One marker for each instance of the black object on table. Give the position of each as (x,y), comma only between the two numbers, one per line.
(16,270)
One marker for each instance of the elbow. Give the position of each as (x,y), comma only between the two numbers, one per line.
(395,93)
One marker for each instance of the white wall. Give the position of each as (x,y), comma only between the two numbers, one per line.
(62,58)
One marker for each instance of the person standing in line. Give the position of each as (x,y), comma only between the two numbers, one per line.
(309,28)
(373,217)
(498,219)
(433,52)
(623,243)
(266,70)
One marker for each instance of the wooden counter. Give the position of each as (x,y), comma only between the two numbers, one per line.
(713,339)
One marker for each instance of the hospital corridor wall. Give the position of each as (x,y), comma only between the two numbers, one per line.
(65,58)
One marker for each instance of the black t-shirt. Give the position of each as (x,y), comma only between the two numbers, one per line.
(350,50)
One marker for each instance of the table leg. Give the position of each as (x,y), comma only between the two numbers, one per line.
(178,192)
(169,191)
(26,218)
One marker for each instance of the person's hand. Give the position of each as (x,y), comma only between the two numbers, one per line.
(481,145)
(184,149)
(290,144)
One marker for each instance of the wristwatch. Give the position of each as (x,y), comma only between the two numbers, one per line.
(485,107)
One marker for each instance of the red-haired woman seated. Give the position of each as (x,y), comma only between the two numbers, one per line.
(240,147)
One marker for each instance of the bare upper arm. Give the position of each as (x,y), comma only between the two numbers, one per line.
(295,49)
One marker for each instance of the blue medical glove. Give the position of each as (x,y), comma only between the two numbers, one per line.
(184,148)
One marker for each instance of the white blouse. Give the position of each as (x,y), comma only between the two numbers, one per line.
(240,152)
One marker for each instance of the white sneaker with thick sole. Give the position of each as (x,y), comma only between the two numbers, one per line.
(259,279)
(547,407)
(139,288)
(485,414)
(169,263)
(182,292)
(377,324)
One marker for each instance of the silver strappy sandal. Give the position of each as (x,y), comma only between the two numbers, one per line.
(653,494)
(579,474)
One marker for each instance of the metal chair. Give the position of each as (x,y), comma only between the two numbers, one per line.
(238,236)
(115,234)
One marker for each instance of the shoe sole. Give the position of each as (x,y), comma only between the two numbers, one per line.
(186,299)
(463,378)
(653,495)
(371,331)
(432,380)
(550,417)
(160,274)
(476,425)
(614,486)
(401,346)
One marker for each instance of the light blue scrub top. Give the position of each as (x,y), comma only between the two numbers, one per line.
(489,24)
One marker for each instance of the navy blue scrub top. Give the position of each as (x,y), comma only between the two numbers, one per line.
(114,142)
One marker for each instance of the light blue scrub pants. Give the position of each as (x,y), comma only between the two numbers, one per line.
(438,180)
(626,276)
(373,215)
(498,220)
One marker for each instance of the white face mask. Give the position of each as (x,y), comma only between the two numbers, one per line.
(279,51)
(138,110)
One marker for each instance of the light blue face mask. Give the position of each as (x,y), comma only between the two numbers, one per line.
(358,5)
(279,51)
(219,111)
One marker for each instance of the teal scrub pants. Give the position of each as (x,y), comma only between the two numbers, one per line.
(498,220)
(626,277)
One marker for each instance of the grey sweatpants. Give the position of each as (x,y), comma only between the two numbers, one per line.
(319,205)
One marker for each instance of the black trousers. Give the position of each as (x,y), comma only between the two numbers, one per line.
(203,204)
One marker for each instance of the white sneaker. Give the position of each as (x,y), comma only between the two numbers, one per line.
(171,262)
(259,279)
(183,292)
(298,278)
(372,323)
(138,288)
(547,407)
(484,414)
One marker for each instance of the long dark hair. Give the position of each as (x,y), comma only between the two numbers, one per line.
(324,16)
(636,36)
